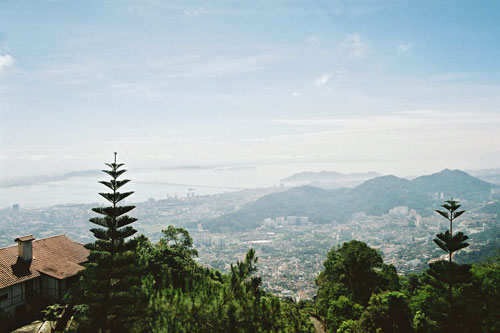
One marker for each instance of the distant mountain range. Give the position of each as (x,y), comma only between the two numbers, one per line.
(484,172)
(325,176)
(46,179)
(328,179)
(375,197)
(489,175)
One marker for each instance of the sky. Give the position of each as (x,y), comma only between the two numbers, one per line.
(402,87)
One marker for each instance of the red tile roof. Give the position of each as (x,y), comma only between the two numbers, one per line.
(57,256)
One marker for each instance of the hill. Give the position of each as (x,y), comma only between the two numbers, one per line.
(299,201)
(327,176)
(454,183)
(375,197)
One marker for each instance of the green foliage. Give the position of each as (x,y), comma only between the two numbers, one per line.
(422,323)
(449,243)
(185,297)
(450,297)
(349,326)
(351,274)
(341,310)
(354,270)
(52,312)
(213,302)
(171,260)
(137,286)
(475,298)
(446,241)
(110,286)
(477,303)
(140,286)
(444,276)
(386,312)
(417,302)
(432,308)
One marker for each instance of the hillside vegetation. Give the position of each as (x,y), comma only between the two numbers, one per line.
(135,285)
(374,197)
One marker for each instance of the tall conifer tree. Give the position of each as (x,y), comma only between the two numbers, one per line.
(450,273)
(446,241)
(110,283)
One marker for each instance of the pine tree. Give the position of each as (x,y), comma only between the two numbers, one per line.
(446,241)
(110,283)
(449,273)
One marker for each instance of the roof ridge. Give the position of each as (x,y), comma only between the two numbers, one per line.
(37,239)
(50,237)
(58,256)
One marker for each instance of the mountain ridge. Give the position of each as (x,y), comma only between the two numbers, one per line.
(327,176)
(374,196)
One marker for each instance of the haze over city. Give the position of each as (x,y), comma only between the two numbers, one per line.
(396,87)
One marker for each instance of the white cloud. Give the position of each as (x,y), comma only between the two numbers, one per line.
(6,60)
(408,119)
(403,139)
(402,48)
(196,12)
(323,80)
(296,94)
(356,46)
(398,141)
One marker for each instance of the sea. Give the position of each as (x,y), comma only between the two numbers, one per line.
(148,184)
(161,183)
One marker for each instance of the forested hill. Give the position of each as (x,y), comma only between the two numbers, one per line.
(454,183)
(375,197)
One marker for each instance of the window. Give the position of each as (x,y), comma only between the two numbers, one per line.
(4,296)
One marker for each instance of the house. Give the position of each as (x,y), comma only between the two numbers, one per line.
(37,269)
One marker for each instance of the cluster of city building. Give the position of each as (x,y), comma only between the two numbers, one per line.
(291,254)
(291,249)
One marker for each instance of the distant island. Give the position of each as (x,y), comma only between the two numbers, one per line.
(326,176)
(328,179)
(46,179)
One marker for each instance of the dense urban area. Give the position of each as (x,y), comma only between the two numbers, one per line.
(291,249)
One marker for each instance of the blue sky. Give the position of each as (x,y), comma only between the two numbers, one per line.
(403,87)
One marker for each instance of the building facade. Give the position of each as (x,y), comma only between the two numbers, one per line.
(38,271)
